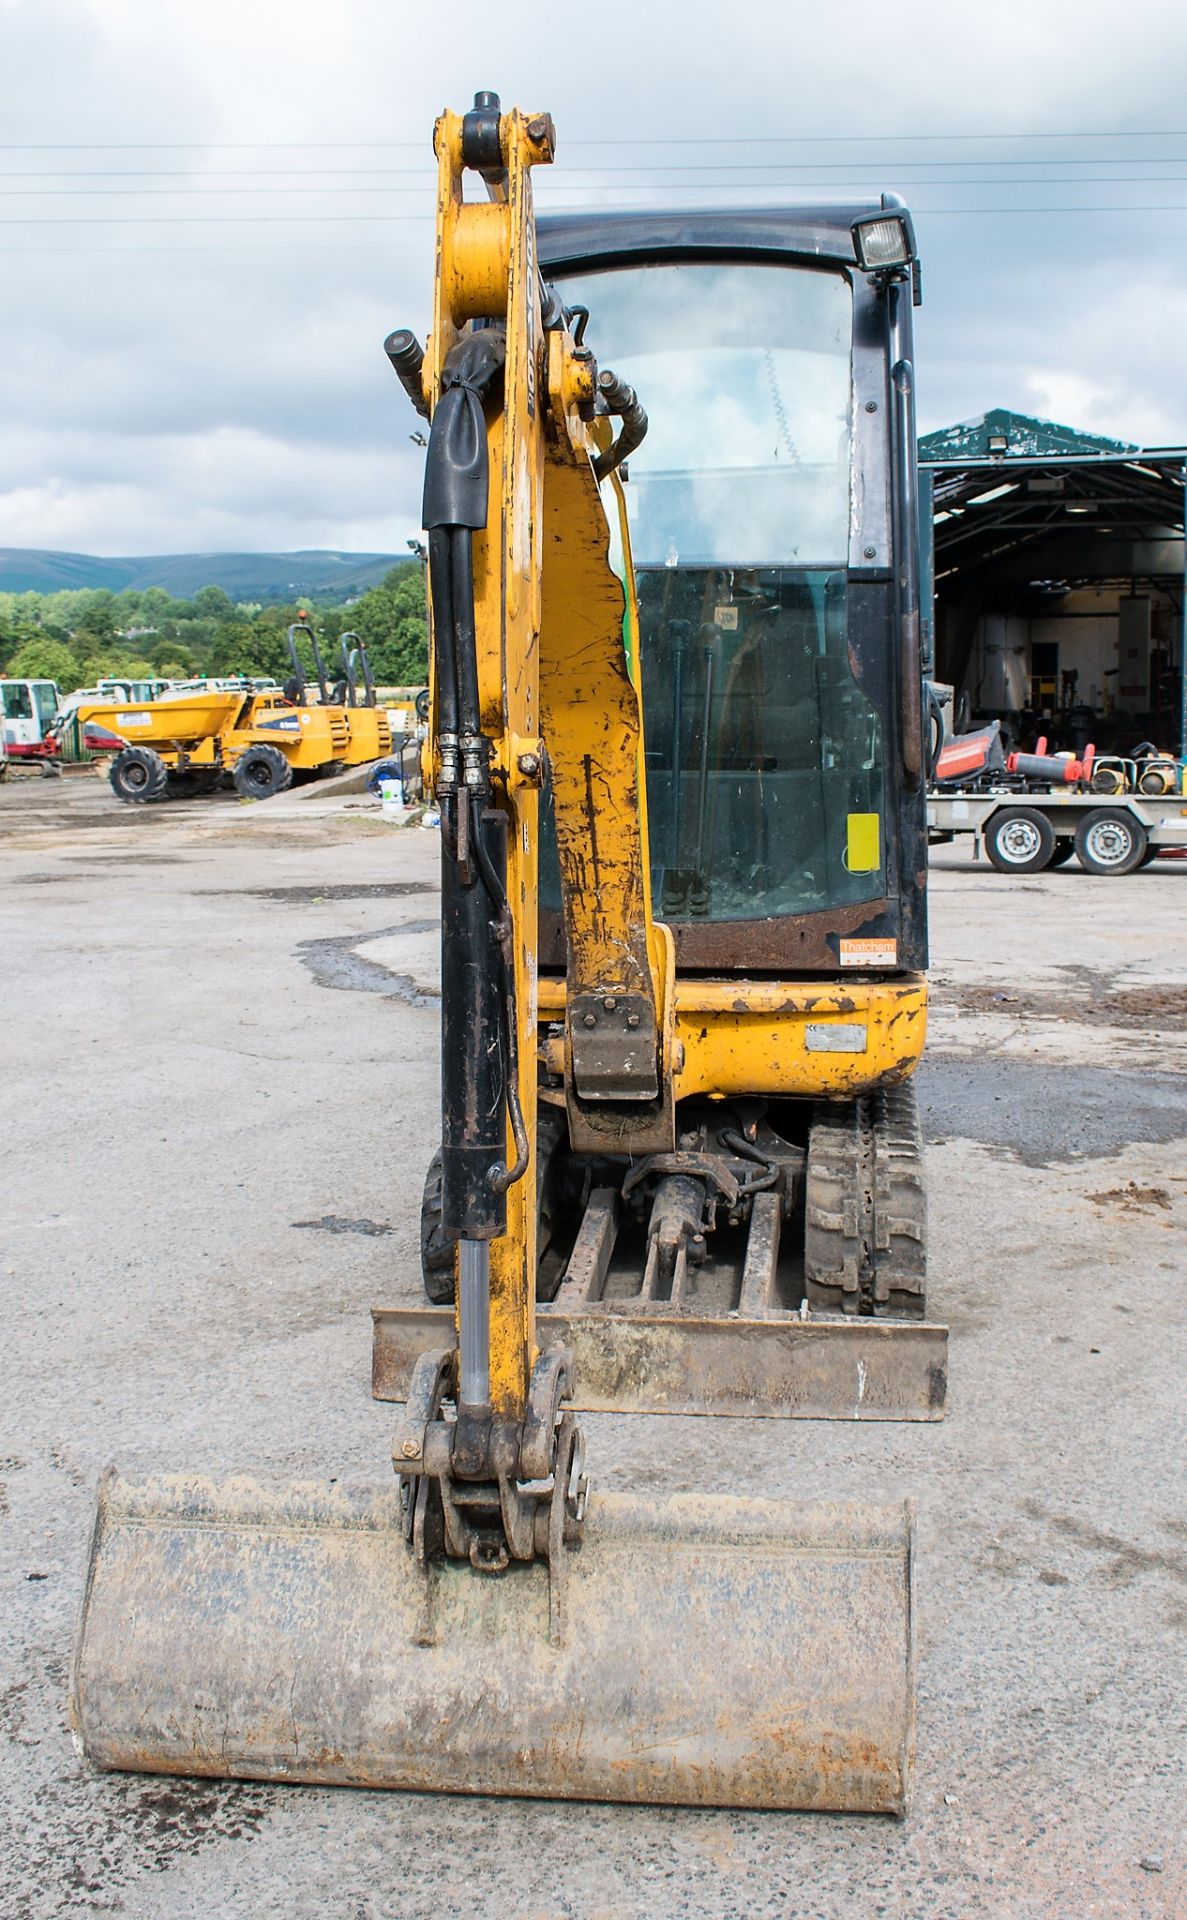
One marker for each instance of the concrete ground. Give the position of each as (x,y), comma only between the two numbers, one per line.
(219,1077)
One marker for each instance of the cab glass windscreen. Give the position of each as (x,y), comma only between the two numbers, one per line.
(745,375)
(764,759)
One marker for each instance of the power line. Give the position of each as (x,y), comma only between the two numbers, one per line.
(424,174)
(662,140)
(550,188)
(378,248)
(416,219)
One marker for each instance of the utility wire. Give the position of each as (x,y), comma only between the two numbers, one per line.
(594,169)
(675,186)
(378,248)
(417,219)
(661,140)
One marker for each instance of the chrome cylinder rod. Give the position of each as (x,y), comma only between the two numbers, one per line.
(474,1270)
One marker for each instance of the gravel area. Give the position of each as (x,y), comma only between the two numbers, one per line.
(220,1076)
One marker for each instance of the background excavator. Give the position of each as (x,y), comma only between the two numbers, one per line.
(683,934)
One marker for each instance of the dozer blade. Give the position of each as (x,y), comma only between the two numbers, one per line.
(633,1359)
(717,1651)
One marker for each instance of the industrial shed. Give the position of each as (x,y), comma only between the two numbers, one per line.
(1059,581)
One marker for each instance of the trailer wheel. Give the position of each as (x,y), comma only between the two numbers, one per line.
(1110,840)
(260,772)
(139,774)
(1020,840)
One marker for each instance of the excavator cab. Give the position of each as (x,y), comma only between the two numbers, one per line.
(676,744)
(771,510)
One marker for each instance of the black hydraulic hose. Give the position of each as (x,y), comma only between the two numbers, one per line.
(441,590)
(503,1177)
(461,581)
(738,1143)
(480,1032)
(457,468)
(615,396)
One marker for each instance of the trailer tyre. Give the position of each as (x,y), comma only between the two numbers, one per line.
(260,772)
(1110,840)
(138,774)
(1020,840)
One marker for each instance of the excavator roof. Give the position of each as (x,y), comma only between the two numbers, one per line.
(605,239)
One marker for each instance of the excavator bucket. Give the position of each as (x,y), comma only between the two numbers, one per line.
(707,1650)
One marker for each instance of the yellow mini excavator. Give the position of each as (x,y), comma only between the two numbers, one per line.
(683,934)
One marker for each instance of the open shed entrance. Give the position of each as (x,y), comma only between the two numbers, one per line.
(1059,582)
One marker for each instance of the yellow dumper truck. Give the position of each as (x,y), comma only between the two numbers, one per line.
(181,745)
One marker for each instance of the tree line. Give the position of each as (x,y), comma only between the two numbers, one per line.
(81,636)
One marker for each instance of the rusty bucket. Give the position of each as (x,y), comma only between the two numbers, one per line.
(718,1651)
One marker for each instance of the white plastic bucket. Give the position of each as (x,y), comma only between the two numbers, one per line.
(391,795)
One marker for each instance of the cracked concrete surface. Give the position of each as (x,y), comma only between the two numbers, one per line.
(182,1090)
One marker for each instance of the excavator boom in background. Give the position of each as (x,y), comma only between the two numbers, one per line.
(678,753)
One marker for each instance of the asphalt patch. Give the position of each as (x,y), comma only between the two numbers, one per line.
(314,896)
(1161,1007)
(1043,1114)
(334,963)
(341,1223)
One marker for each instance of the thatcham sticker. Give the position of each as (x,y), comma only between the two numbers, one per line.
(868,953)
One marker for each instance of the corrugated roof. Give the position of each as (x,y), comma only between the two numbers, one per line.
(1025,438)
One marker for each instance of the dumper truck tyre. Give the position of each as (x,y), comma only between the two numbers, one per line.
(139,775)
(1020,840)
(261,772)
(1110,841)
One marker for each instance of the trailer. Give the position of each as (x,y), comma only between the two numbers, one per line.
(1025,832)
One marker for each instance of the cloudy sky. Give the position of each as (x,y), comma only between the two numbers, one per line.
(211,215)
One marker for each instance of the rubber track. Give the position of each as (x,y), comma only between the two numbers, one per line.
(865,1239)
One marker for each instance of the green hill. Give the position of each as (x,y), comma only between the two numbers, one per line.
(315,575)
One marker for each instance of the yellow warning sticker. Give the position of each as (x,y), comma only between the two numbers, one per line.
(863,849)
(869,953)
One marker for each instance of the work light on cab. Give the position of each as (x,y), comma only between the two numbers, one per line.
(884,241)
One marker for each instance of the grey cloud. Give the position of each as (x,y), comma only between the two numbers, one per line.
(168,387)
